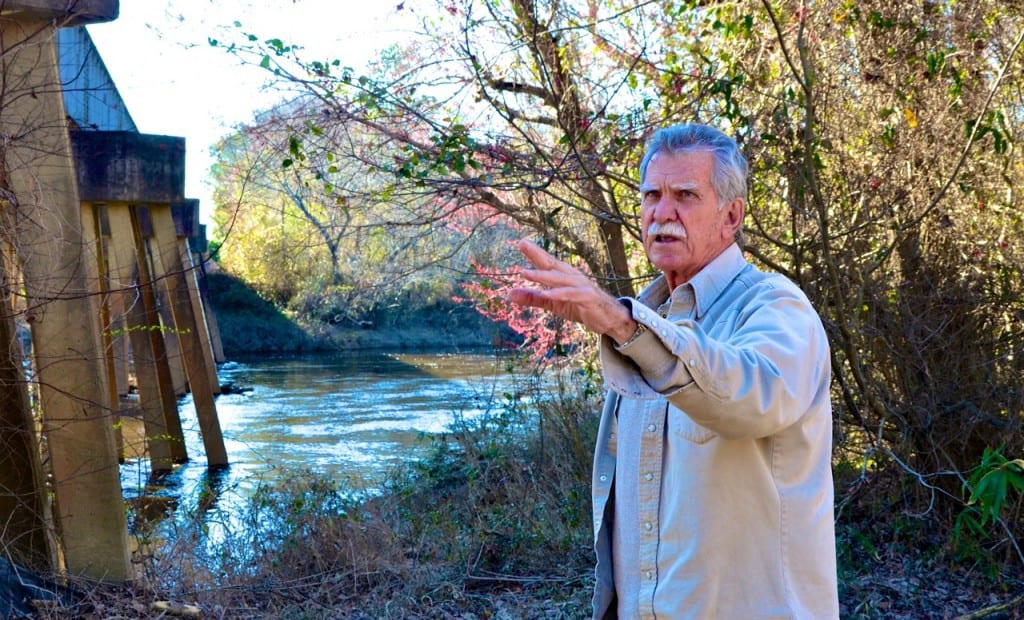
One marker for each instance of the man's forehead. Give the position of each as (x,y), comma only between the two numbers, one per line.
(683,170)
(672,184)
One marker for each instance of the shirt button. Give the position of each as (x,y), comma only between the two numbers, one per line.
(648,526)
(603,478)
(652,428)
(693,362)
(649,476)
(650,575)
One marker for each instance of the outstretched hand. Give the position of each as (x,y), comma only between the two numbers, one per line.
(569,293)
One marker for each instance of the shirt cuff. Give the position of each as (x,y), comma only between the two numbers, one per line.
(643,367)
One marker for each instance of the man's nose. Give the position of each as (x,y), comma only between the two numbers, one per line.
(661,211)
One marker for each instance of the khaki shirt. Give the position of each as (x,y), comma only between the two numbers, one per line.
(712,479)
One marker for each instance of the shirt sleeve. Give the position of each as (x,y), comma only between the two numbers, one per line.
(757,371)
(645,368)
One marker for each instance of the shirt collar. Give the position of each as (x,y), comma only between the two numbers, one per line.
(707,285)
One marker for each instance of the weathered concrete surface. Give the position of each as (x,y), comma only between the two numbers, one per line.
(186,226)
(157,397)
(45,230)
(28,532)
(123,166)
(194,351)
(61,13)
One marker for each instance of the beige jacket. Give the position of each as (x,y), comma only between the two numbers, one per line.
(722,481)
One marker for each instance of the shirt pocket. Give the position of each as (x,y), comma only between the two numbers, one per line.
(682,425)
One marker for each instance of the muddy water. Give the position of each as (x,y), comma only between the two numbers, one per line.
(346,416)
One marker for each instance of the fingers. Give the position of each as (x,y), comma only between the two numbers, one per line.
(563,284)
(569,293)
(536,255)
(547,269)
(523,297)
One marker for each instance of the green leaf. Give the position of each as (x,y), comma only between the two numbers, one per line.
(1016,480)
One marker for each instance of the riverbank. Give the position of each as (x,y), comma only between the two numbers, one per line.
(491,524)
(485,527)
(249,324)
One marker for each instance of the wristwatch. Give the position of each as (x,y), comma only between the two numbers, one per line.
(640,327)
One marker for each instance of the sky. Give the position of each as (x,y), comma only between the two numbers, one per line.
(174,83)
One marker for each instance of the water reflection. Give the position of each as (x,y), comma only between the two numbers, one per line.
(346,416)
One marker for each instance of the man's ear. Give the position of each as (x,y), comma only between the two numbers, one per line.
(732,217)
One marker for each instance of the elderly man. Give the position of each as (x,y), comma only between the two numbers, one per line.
(712,482)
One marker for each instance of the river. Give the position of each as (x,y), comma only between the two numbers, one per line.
(347,416)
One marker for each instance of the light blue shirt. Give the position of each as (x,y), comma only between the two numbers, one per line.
(712,486)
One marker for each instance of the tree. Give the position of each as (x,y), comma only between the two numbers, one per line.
(882,138)
(329,236)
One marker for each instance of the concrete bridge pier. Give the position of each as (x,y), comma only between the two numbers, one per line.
(156,225)
(186,227)
(29,533)
(131,291)
(90,254)
(138,177)
(44,228)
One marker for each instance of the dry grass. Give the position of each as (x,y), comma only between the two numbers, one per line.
(493,524)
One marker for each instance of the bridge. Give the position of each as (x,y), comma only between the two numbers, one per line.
(103,313)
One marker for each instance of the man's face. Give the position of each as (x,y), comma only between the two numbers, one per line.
(683,228)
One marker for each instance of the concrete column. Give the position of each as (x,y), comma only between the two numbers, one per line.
(211,316)
(200,314)
(186,218)
(24,509)
(96,270)
(165,440)
(46,232)
(187,328)
(163,302)
(200,249)
(125,170)
(115,328)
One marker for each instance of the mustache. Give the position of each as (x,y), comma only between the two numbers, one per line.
(668,229)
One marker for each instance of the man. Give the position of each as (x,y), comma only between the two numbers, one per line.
(712,482)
